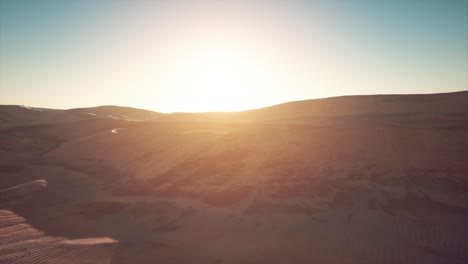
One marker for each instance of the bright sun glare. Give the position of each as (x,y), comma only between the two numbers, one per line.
(218,78)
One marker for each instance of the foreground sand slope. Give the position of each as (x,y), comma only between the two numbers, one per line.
(22,243)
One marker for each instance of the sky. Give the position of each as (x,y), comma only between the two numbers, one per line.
(192,56)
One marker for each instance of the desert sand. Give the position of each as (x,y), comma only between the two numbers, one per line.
(355,179)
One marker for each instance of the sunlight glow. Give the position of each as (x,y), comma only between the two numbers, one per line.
(218,78)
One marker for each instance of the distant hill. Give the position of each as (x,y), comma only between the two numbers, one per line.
(118,112)
(18,115)
(15,115)
(370,105)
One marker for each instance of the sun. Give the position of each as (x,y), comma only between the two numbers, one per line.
(218,78)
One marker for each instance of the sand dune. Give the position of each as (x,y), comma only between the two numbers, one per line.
(368,179)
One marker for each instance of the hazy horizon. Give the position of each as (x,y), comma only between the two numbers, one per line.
(201,56)
(233,111)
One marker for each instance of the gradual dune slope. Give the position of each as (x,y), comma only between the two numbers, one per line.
(366,179)
(18,193)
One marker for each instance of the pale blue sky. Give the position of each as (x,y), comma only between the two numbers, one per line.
(227,55)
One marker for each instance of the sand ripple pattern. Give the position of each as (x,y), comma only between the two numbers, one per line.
(21,243)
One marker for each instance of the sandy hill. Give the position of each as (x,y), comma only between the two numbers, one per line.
(117,112)
(16,115)
(344,106)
